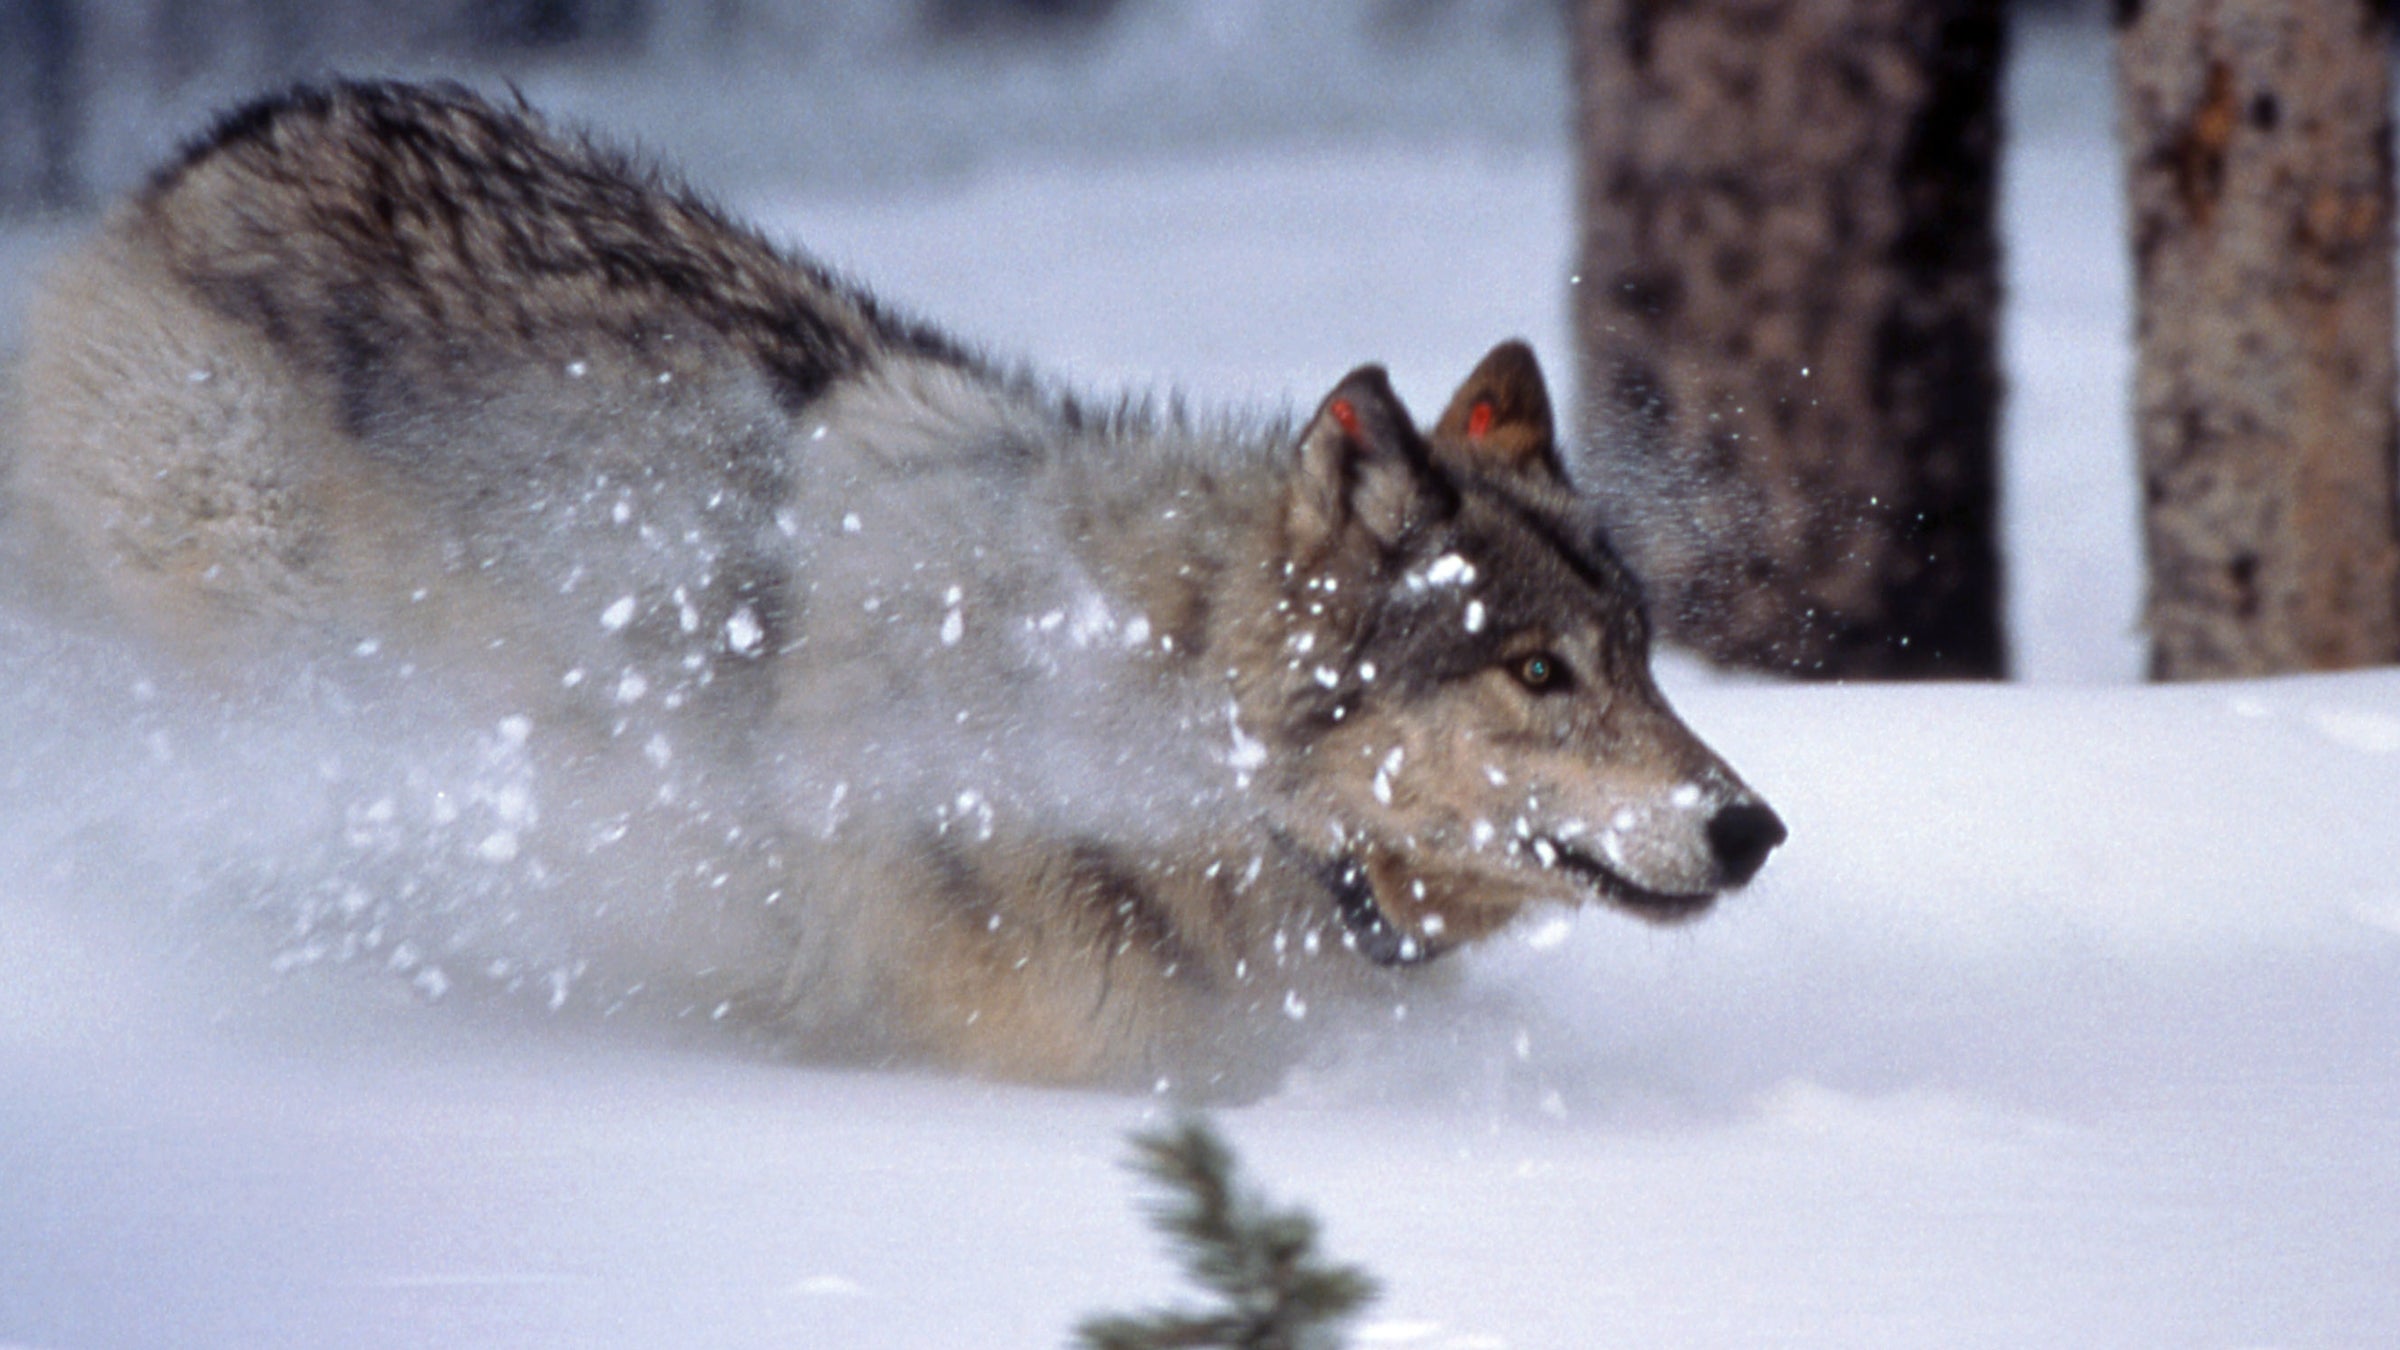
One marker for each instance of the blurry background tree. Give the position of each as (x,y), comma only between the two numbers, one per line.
(1787,305)
(2258,143)
(41,105)
(549,25)
(973,20)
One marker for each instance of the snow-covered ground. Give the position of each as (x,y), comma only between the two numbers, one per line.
(2068,1017)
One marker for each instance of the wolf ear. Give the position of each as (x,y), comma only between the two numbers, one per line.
(1360,462)
(1499,421)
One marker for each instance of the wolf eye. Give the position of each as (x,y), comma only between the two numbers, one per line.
(1543,673)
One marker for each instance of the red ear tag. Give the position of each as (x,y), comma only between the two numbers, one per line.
(1344,415)
(1479,419)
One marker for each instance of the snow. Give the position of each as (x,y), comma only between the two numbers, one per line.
(1450,570)
(2066,1017)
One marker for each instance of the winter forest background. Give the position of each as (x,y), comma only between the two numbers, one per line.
(2067,1017)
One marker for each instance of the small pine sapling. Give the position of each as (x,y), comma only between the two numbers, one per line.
(1274,1291)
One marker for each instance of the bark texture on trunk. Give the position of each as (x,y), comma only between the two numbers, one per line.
(1788,310)
(2258,140)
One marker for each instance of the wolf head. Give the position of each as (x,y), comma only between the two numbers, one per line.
(1463,682)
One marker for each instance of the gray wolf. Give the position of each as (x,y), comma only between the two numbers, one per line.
(900,701)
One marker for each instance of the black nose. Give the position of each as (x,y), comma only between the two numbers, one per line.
(1742,835)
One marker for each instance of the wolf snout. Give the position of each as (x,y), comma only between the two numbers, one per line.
(1741,835)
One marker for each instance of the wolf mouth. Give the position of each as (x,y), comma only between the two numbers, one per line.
(1370,933)
(1374,936)
(1612,886)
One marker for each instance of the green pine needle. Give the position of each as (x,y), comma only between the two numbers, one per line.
(1260,1262)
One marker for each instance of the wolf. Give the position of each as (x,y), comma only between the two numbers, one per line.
(894,699)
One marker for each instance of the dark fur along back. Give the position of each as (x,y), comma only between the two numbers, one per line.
(463,203)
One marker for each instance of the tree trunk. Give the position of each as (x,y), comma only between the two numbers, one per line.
(41,106)
(1787,309)
(2258,139)
(559,25)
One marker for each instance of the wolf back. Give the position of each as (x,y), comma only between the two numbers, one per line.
(893,700)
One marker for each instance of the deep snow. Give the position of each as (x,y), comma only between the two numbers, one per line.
(2067,1017)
